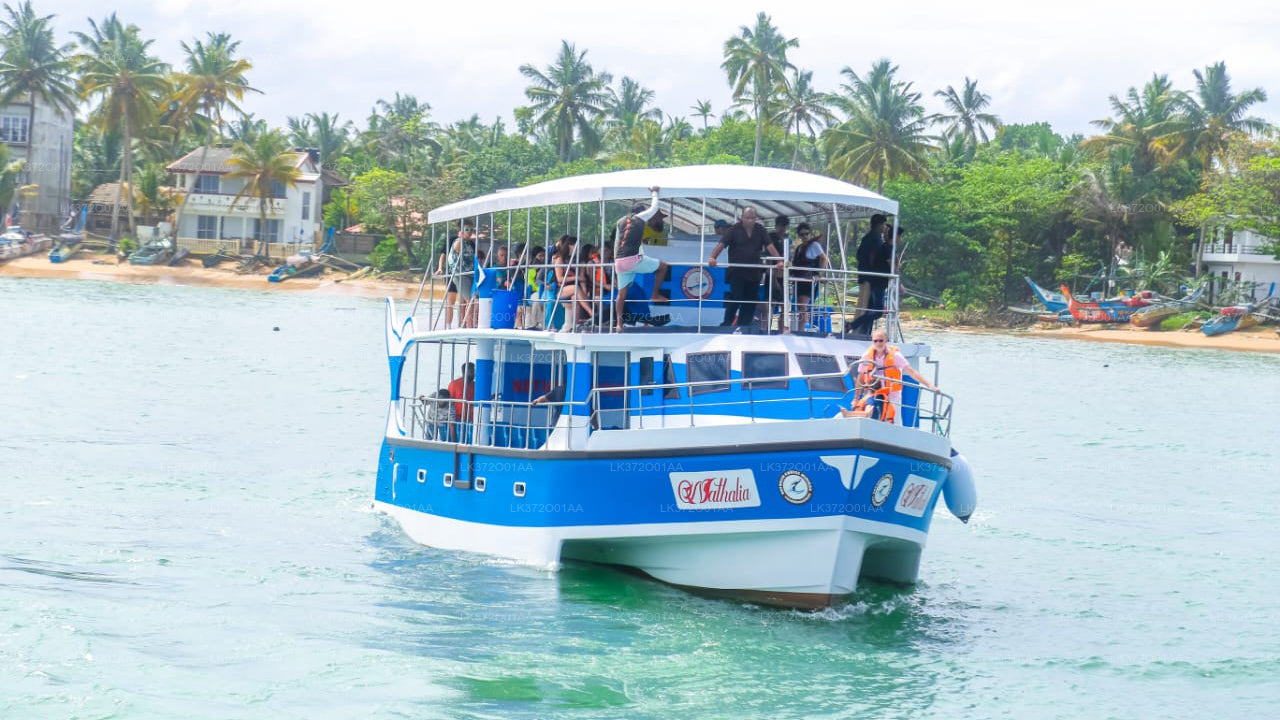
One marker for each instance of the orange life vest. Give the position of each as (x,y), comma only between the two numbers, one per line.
(892,375)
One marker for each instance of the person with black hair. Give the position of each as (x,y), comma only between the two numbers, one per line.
(747,241)
(866,256)
(629,258)
(806,261)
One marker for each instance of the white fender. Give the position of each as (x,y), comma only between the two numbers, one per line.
(960,492)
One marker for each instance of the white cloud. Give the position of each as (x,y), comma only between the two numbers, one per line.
(1056,64)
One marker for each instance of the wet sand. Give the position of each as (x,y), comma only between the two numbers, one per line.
(102,267)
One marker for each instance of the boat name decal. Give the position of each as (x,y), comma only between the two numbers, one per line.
(715,490)
(915,496)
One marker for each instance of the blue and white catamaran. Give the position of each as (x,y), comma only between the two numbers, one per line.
(707,457)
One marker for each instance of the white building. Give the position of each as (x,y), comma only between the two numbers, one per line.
(1239,256)
(42,136)
(212,222)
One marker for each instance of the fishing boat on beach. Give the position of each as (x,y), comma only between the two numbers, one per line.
(153,253)
(1238,317)
(71,240)
(1152,315)
(708,457)
(16,242)
(1107,311)
(296,266)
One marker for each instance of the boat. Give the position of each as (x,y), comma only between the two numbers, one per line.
(71,240)
(1052,301)
(1152,315)
(178,256)
(1237,317)
(1107,311)
(16,242)
(216,259)
(709,458)
(1058,304)
(153,253)
(296,266)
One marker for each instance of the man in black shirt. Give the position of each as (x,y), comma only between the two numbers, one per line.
(867,251)
(747,241)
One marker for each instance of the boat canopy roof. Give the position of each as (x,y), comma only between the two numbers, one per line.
(725,188)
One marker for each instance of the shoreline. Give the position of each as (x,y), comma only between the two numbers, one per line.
(103,267)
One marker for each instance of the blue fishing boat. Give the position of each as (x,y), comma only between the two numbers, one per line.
(154,253)
(297,266)
(1237,317)
(71,240)
(709,457)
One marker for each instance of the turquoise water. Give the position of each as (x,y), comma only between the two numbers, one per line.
(186,532)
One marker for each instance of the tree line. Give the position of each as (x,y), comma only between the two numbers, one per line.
(984,202)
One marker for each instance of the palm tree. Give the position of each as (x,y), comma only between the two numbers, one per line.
(629,106)
(756,62)
(567,97)
(1139,121)
(265,165)
(966,117)
(214,79)
(1213,115)
(9,172)
(33,64)
(245,128)
(115,65)
(702,109)
(884,135)
(331,136)
(802,105)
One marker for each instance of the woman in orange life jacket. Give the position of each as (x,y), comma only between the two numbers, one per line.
(885,361)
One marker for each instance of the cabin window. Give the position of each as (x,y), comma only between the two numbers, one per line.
(206,227)
(669,378)
(761,365)
(704,367)
(812,364)
(207,184)
(645,372)
(306,206)
(277,189)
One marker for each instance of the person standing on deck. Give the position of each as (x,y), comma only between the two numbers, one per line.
(747,241)
(866,256)
(629,258)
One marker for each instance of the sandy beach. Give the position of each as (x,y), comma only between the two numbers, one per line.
(101,267)
(104,267)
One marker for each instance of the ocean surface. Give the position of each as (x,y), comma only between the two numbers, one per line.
(186,532)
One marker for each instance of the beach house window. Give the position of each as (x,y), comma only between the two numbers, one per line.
(755,364)
(272,230)
(207,184)
(813,364)
(277,189)
(206,227)
(701,367)
(14,128)
(306,206)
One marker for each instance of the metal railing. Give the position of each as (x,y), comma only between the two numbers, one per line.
(542,310)
(530,425)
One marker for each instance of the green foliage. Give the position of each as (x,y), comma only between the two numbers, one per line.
(387,255)
(510,163)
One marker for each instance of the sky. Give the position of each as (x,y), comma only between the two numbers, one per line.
(1038,62)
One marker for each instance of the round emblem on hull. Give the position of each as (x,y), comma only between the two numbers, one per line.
(880,493)
(795,487)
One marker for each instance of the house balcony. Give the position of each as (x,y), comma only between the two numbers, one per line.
(220,204)
(1222,252)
